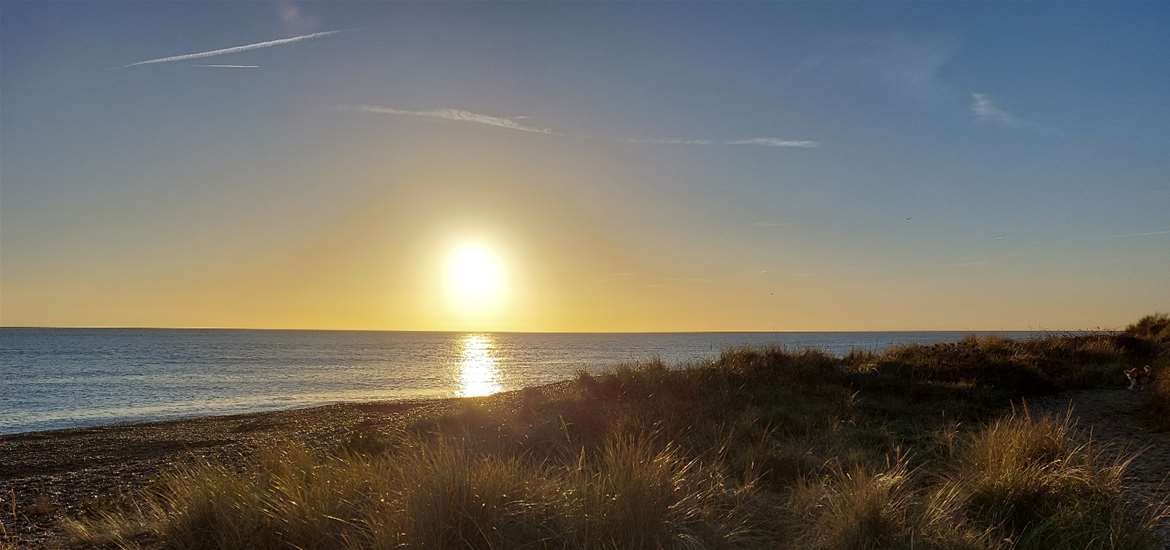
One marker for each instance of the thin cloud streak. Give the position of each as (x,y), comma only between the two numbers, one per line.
(669,141)
(234,49)
(985,109)
(227,66)
(513,123)
(775,142)
(1146,234)
(760,142)
(455,115)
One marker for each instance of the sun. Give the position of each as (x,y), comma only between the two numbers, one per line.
(475,278)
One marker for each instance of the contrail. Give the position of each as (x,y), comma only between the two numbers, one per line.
(512,123)
(759,141)
(1146,234)
(227,66)
(234,49)
(668,141)
(774,142)
(457,115)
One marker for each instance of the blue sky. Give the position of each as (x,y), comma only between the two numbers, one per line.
(811,165)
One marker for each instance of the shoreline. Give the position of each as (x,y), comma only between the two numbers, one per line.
(56,473)
(135,423)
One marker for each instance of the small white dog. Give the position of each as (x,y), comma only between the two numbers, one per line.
(1138,378)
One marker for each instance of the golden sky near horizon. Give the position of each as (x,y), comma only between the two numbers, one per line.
(565,260)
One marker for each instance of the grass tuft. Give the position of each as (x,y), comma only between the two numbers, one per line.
(855,508)
(1043,488)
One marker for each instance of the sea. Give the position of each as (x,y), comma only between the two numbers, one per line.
(69,378)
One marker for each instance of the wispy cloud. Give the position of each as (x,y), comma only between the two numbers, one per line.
(774,142)
(1146,234)
(514,123)
(456,115)
(227,66)
(234,49)
(760,142)
(669,141)
(986,110)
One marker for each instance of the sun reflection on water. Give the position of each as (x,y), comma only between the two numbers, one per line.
(478,374)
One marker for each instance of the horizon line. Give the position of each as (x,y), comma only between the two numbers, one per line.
(432,331)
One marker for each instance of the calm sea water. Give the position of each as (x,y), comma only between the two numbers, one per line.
(62,378)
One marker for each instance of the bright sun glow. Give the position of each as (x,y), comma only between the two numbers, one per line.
(475,278)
